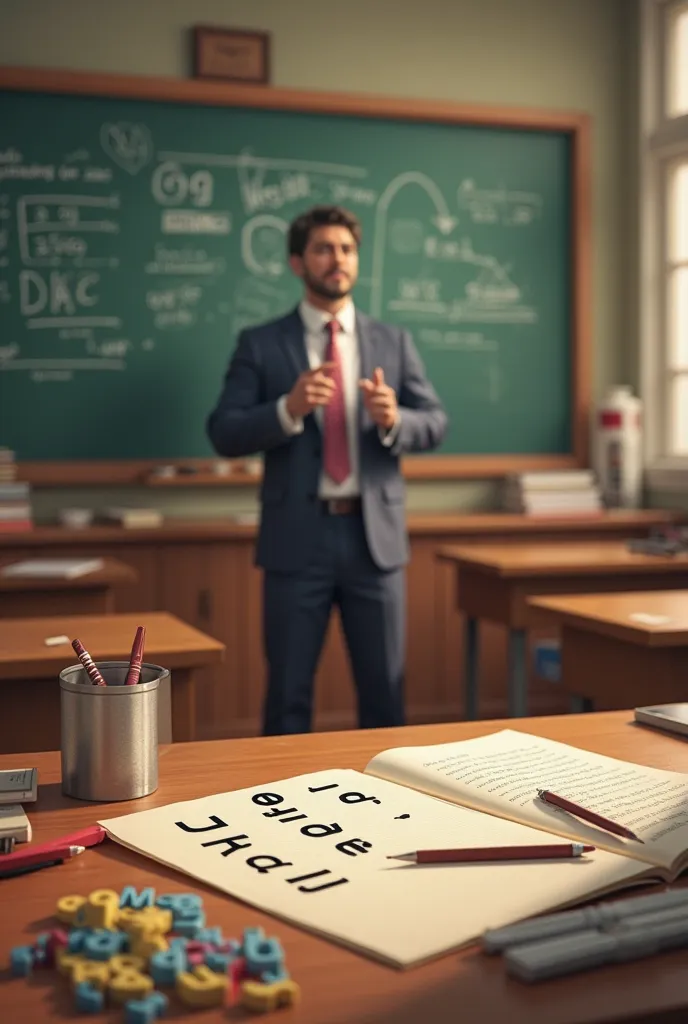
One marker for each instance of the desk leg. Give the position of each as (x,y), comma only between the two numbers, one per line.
(471,668)
(518,674)
(580,705)
(183,705)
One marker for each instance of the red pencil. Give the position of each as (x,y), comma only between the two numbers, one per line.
(481,854)
(32,858)
(89,836)
(87,661)
(136,657)
(585,815)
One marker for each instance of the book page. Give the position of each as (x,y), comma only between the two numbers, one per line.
(501,774)
(314,850)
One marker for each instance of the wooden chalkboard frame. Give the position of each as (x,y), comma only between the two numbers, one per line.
(575,125)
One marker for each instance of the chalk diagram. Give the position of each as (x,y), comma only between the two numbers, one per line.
(129,145)
(510,207)
(489,296)
(263,245)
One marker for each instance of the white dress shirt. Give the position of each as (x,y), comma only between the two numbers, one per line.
(316,338)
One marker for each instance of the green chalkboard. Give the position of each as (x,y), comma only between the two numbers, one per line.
(140,233)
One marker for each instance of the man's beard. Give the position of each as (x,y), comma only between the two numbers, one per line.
(328,291)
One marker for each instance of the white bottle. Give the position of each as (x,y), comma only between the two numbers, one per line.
(617,456)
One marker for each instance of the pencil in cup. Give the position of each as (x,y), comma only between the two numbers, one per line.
(88,663)
(136,657)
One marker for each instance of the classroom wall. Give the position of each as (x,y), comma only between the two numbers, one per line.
(565,54)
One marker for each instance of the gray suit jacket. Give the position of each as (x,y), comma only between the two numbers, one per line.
(265,365)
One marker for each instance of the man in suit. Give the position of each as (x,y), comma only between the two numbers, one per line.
(333,398)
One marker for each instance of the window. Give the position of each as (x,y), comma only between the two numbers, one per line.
(664,238)
(676,49)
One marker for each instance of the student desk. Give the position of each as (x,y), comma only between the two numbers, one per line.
(29,684)
(91,594)
(495,582)
(613,658)
(338,985)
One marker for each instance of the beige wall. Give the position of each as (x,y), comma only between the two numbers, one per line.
(565,54)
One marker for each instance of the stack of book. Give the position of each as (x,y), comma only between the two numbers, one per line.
(8,466)
(15,497)
(133,518)
(566,493)
(16,788)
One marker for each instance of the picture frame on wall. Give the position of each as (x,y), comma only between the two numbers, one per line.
(231,55)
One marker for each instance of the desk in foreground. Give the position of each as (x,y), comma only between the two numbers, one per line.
(29,684)
(339,986)
(496,581)
(622,650)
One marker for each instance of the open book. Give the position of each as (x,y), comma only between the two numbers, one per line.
(314,849)
(502,772)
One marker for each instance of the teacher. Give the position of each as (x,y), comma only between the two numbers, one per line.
(333,399)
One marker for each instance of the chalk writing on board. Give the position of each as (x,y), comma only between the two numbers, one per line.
(54,230)
(170,185)
(263,241)
(169,259)
(192,222)
(486,369)
(125,245)
(508,207)
(174,307)
(129,145)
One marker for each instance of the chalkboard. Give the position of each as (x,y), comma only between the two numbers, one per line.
(142,225)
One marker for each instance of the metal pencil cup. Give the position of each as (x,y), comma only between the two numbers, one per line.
(109,733)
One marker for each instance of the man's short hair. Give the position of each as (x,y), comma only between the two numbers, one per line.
(318,216)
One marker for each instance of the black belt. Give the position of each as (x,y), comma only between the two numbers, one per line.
(341,506)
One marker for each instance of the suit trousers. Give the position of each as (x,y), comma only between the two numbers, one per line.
(296,611)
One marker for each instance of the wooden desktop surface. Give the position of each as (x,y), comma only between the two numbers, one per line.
(93,593)
(29,688)
(338,985)
(23,654)
(615,615)
(496,581)
(575,558)
(113,573)
(614,660)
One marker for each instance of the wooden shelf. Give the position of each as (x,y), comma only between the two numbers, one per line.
(201,479)
(626,523)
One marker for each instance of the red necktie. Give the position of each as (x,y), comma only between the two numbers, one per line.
(336,443)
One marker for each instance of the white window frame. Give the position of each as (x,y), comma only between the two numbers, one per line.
(662,140)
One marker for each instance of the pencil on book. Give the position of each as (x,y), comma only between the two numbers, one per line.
(136,657)
(585,815)
(87,661)
(482,854)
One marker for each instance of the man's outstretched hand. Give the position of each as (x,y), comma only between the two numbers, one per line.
(380,400)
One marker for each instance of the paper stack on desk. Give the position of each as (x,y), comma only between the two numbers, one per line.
(55,568)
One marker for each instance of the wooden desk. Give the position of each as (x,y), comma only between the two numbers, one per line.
(29,670)
(496,581)
(610,657)
(91,594)
(222,596)
(338,985)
